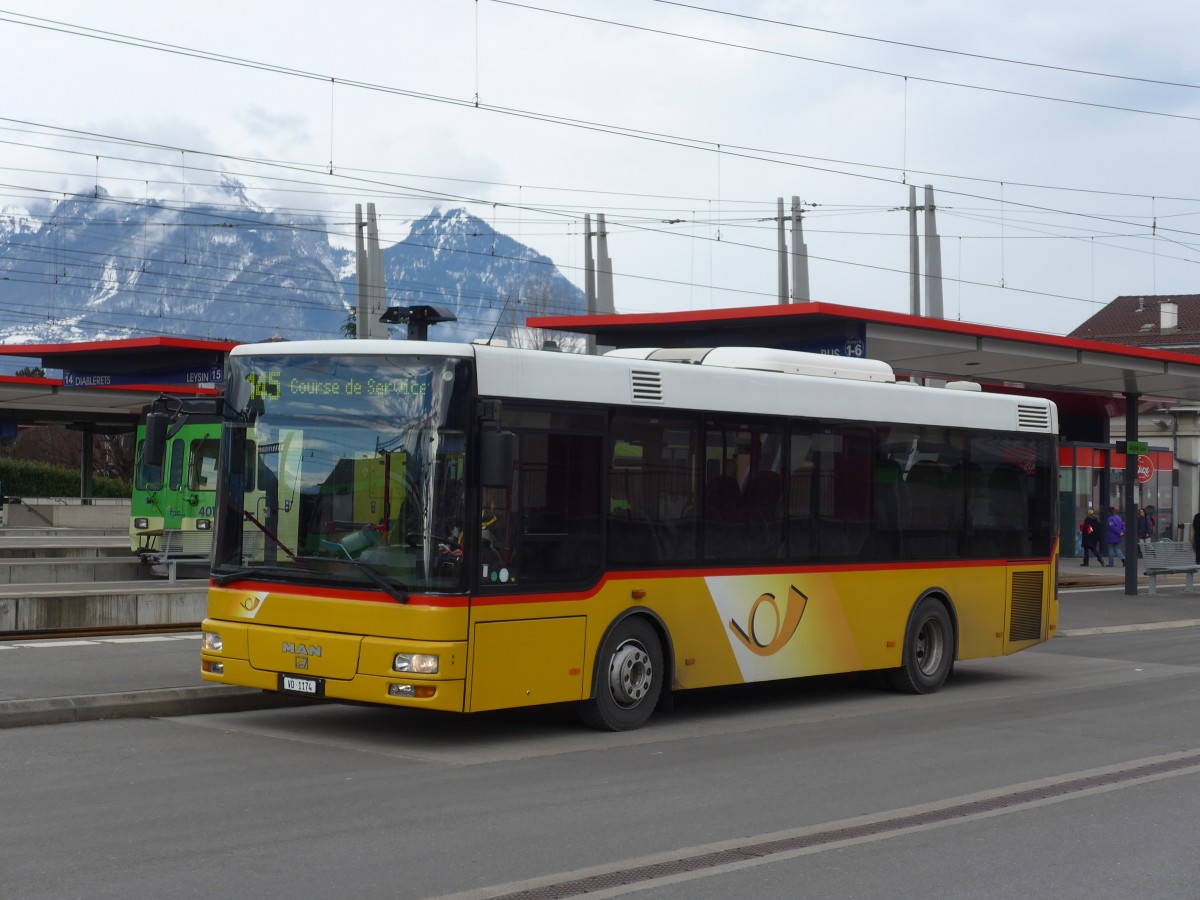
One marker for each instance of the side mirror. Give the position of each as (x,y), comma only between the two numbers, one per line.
(155,448)
(498,452)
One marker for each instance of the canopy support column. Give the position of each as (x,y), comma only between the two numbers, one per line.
(1130,513)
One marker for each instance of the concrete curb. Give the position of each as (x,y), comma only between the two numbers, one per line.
(184,701)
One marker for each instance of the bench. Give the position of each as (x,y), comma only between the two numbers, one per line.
(1168,557)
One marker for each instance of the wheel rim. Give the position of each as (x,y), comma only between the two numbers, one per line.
(931,647)
(630,674)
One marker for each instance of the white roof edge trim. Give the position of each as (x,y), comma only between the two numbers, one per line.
(631,353)
(353,347)
(767,359)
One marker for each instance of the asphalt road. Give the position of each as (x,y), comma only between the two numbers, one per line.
(1072,770)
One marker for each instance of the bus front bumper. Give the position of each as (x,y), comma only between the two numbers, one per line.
(318,665)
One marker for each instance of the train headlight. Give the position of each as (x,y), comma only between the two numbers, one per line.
(204,524)
(141,522)
(418,663)
(211,641)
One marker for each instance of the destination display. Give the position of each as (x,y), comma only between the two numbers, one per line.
(274,384)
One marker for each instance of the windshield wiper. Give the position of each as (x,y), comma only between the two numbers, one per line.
(248,572)
(236,575)
(249,517)
(397,590)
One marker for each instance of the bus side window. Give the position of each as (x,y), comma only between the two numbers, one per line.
(743,492)
(652,509)
(835,493)
(545,528)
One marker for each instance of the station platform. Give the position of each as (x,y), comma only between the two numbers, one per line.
(51,681)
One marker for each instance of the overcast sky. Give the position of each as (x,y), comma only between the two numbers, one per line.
(682,123)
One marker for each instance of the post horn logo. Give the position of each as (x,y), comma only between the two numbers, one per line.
(785,623)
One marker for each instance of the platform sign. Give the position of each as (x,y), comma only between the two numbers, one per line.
(854,346)
(199,375)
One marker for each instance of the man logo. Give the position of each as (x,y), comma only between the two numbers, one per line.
(302,649)
(754,635)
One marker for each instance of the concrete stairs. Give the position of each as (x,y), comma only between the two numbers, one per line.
(62,578)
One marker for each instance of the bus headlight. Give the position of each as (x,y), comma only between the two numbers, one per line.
(420,663)
(204,524)
(418,691)
(141,522)
(211,641)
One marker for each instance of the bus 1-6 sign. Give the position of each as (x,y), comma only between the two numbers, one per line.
(1145,469)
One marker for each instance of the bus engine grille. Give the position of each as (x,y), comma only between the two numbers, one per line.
(1025,616)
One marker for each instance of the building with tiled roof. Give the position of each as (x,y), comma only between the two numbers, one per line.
(1167,322)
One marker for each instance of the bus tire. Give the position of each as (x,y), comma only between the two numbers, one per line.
(928,650)
(629,678)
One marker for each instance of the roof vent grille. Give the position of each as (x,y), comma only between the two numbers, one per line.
(647,386)
(1033,418)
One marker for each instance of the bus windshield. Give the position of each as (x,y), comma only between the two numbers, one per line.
(356,477)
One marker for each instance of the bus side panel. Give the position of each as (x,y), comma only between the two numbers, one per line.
(522,663)
(755,627)
(720,629)
(978,597)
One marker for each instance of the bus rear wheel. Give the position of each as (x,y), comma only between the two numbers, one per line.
(629,678)
(928,650)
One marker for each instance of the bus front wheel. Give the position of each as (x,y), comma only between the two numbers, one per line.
(629,678)
(928,650)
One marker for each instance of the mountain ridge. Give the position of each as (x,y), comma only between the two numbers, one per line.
(92,266)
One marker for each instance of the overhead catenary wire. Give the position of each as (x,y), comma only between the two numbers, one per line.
(1028,95)
(718,219)
(928,47)
(143,43)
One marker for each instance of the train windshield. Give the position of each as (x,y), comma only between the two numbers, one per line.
(356,476)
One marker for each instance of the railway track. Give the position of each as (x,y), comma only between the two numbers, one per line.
(76,633)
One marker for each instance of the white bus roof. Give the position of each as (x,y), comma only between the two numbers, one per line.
(740,380)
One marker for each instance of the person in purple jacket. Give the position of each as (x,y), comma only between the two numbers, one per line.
(1114,535)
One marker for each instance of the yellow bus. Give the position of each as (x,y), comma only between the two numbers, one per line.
(468,527)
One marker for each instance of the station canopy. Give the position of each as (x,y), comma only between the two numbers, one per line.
(1085,376)
(105,384)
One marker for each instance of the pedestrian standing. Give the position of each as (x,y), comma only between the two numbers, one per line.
(1089,537)
(1145,530)
(1114,535)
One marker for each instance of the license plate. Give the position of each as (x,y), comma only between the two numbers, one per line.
(295,684)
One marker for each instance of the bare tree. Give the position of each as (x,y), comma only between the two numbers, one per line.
(529,297)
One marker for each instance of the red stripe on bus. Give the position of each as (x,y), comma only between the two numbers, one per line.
(308,590)
(504,599)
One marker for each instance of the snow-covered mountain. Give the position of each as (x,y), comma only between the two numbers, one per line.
(93,266)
